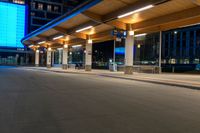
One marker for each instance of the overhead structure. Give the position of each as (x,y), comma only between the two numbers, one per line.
(99,20)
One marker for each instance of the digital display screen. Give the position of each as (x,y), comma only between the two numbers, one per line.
(12,24)
(120,50)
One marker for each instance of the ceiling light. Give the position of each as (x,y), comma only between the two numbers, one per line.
(75,46)
(30,46)
(131,33)
(59,48)
(65,46)
(139,35)
(136,11)
(42,42)
(49,49)
(90,41)
(86,28)
(58,37)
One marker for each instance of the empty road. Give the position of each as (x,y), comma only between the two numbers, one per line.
(47,102)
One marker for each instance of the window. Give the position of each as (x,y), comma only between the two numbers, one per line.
(32,14)
(40,6)
(56,8)
(33,5)
(49,7)
(18,1)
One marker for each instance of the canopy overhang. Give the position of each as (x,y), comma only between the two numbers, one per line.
(95,20)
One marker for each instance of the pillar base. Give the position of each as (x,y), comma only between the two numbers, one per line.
(128,70)
(158,70)
(65,66)
(88,68)
(36,65)
(48,66)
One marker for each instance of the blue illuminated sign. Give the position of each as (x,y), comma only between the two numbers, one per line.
(120,50)
(12,24)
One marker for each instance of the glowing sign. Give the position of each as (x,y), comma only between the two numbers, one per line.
(12,24)
(120,50)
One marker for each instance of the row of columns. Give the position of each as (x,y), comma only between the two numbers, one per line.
(88,57)
(128,69)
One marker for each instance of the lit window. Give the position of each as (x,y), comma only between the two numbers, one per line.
(56,8)
(18,1)
(40,6)
(48,7)
(32,14)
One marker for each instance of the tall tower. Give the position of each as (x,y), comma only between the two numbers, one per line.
(41,12)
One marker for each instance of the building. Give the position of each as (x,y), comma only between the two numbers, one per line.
(145,36)
(12,30)
(41,12)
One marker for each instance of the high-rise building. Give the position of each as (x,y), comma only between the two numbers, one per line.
(19,17)
(43,11)
(13,28)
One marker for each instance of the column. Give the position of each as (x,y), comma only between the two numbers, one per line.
(37,56)
(65,57)
(49,58)
(129,54)
(160,53)
(88,56)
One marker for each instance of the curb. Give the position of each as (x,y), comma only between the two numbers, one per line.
(126,78)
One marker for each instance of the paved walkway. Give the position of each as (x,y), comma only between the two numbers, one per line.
(182,80)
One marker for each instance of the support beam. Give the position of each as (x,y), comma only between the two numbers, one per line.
(71,32)
(88,57)
(117,24)
(136,5)
(196,2)
(160,53)
(95,17)
(129,55)
(65,57)
(48,58)
(37,58)
(60,29)
(168,20)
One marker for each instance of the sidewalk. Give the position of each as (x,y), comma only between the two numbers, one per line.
(181,80)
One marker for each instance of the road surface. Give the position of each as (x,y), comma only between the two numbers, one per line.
(47,102)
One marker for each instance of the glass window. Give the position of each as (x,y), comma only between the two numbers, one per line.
(146,49)
(49,7)
(40,6)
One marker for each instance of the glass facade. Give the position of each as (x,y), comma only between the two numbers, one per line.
(102,54)
(146,49)
(58,57)
(76,54)
(181,49)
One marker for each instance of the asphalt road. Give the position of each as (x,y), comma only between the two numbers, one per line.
(47,102)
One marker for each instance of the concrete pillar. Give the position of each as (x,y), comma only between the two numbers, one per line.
(129,54)
(48,58)
(65,58)
(37,58)
(88,56)
(160,53)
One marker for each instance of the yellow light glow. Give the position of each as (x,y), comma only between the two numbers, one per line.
(131,33)
(65,46)
(90,41)
(49,49)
